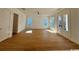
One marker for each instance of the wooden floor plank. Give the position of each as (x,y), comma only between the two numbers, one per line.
(38,40)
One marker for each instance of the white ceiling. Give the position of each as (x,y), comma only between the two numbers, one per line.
(42,11)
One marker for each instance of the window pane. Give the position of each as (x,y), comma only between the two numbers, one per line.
(66,22)
(52,23)
(59,23)
(45,22)
(29,21)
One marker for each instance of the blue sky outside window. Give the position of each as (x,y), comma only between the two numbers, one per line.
(29,21)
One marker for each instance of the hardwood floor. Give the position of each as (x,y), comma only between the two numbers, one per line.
(38,40)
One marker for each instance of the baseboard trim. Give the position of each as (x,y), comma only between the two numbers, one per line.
(63,36)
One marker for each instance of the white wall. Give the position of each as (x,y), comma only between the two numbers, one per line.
(75,25)
(6,22)
(38,22)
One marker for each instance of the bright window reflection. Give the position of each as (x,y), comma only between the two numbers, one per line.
(50,31)
(66,22)
(29,31)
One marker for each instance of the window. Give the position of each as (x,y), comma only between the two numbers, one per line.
(66,22)
(45,22)
(29,21)
(52,23)
(59,23)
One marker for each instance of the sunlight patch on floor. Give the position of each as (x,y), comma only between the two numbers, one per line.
(29,31)
(50,31)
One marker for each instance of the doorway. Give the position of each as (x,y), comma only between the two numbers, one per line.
(15,24)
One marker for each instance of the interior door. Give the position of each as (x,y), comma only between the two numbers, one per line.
(15,23)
